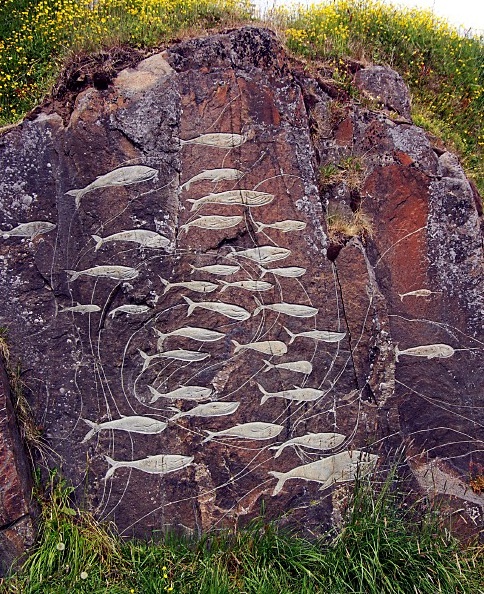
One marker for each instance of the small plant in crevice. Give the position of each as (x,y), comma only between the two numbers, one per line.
(350,171)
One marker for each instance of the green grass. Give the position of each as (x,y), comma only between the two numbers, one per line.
(444,70)
(383,548)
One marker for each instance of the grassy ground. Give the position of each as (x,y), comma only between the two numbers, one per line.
(383,548)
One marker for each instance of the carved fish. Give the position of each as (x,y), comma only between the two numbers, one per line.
(226,309)
(211,409)
(200,334)
(249,285)
(197,286)
(298,366)
(159,464)
(113,272)
(417,293)
(218,269)
(135,424)
(268,347)
(196,393)
(289,272)
(213,175)
(312,441)
(30,230)
(284,226)
(213,222)
(180,355)
(431,351)
(143,237)
(249,198)
(263,254)
(298,394)
(334,469)
(323,335)
(82,309)
(131,310)
(289,309)
(256,430)
(124,176)
(218,139)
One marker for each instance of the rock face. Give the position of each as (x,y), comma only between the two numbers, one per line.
(195,345)
(16,524)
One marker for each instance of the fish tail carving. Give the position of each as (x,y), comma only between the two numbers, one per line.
(401,296)
(176,410)
(73,274)
(268,367)
(259,307)
(259,227)
(397,353)
(194,204)
(111,470)
(161,339)
(154,392)
(166,283)
(238,346)
(293,336)
(281,478)
(92,432)
(224,288)
(191,305)
(99,241)
(263,270)
(192,268)
(266,396)
(209,436)
(185,228)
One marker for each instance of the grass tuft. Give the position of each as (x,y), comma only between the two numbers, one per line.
(384,547)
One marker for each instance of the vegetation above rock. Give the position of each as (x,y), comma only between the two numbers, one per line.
(444,69)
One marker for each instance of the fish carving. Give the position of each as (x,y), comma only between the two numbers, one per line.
(197,286)
(210,409)
(134,424)
(288,309)
(297,395)
(196,393)
(284,226)
(258,431)
(431,351)
(248,285)
(112,272)
(30,230)
(312,441)
(200,334)
(159,464)
(268,347)
(323,335)
(143,237)
(213,222)
(228,310)
(263,254)
(217,269)
(213,175)
(249,198)
(334,469)
(305,367)
(288,272)
(130,310)
(124,176)
(218,139)
(82,309)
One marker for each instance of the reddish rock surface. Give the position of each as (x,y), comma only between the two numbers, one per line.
(16,524)
(108,361)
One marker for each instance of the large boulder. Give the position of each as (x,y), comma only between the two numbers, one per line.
(196,348)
